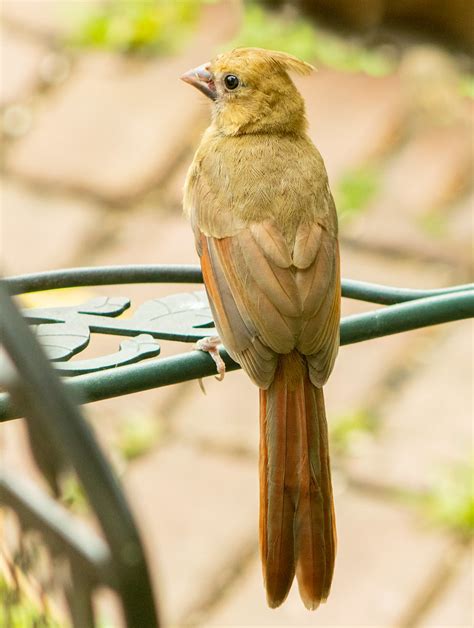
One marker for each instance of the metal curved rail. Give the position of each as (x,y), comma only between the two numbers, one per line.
(121,563)
(60,437)
(158,273)
(414,314)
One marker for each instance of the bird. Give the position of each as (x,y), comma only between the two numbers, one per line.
(265,228)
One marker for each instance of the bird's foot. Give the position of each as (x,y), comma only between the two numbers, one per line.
(210,345)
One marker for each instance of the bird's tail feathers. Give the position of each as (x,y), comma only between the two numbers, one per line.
(297,523)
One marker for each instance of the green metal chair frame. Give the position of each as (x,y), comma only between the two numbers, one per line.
(60,437)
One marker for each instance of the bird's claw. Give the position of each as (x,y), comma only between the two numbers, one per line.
(210,345)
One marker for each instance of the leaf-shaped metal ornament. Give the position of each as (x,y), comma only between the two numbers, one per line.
(63,340)
(98,306)
(186,317)
(104,306)
(131,350)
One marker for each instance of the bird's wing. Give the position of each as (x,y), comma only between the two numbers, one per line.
(268,300)
(252,301)
(316,258)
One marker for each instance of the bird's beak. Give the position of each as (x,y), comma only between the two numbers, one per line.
(202,79)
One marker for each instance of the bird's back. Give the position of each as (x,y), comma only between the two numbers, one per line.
(249,178)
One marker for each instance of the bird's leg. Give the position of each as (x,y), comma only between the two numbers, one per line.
(209,345)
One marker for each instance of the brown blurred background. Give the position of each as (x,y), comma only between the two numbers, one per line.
(97,135)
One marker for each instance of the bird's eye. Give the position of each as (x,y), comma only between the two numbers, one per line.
(231,81)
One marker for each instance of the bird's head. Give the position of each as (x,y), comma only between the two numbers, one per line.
(252,91)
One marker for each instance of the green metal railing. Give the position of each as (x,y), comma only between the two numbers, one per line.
(60,440)
(408,309)
(59,435)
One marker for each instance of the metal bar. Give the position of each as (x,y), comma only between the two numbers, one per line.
(196,364)
(104,276)
(79,600)
(62,532)
(156,273)
(388,295)
(48,402)
(395,319)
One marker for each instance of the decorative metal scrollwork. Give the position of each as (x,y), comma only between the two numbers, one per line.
(62,441)
(66,331)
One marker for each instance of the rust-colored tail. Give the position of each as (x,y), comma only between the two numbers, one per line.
(297,522)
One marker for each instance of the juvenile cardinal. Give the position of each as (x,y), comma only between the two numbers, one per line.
(265,225)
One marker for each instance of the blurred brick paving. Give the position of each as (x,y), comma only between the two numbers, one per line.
(95,154)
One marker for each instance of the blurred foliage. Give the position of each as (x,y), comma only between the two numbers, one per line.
(73,495)
(105,622)
(296,35)
(156,26)
(434,223)
(467,85)
(347,430)
(18,611)
(354,191)
(137,435)
(450,501)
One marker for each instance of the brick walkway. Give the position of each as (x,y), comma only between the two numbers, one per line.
(95,155)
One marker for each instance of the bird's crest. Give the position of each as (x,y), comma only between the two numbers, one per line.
(289,62)
(280,60)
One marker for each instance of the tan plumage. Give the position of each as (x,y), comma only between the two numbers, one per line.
(266,231)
